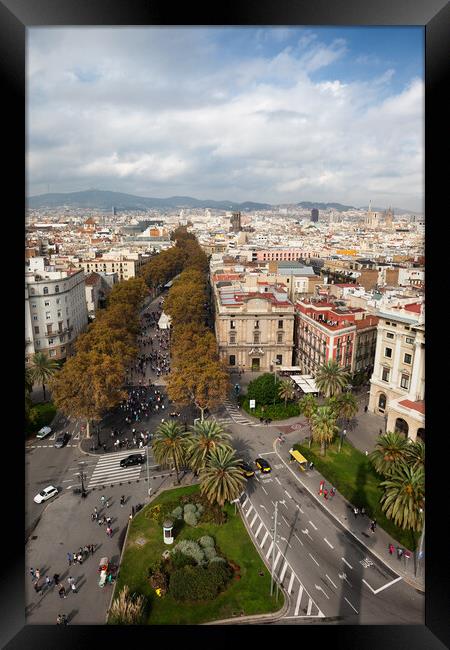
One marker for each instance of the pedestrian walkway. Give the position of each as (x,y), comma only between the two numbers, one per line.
(235,414)
(377,543)
(107,471)
(301,604)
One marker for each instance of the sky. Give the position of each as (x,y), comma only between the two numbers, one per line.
(276,115)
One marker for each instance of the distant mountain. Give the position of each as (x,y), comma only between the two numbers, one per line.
(104,200)
(307,205)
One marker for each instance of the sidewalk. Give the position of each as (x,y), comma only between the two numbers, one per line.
(341,510)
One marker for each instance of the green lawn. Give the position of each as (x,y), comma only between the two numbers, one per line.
(250,594)
(277,411)
(44,414)
(352,474)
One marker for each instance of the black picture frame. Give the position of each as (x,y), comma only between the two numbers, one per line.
(15,17)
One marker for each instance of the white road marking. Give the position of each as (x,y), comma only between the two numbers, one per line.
(299,597)
(259,528)
(327,576)
(325,539)
(264,539)
(67,480)
(345,562)
(276,560)
(388,585)
(277,480)
(323,591)
(263,507)
(313,559)
(299,539)
(285,520)
(270,548)
(283,571)
(351,605)
(262,486)
(290,582)
(367,585)
(254,519)
(249,511)
(286,492)
(299,508)
(310,522)
(284,504)
(309,607)
(267,453)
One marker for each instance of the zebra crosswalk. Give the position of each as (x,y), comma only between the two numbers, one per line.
(301,602)
(108,470)
(236,414)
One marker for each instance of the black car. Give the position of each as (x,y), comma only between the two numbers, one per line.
(62,440)
(134,459)
(263,465)
(247,469)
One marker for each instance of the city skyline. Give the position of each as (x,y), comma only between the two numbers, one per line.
(165,111)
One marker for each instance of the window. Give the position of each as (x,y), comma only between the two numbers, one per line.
(232,325)
(50,341)
(232,337)
(407,358)
(232,360)
(280,324)
(63,349)
(45,290)
(46,303)
(34,305)
(32,291)
(279,359)
(279,337)
(57,301)
(404,382)
(35,317)
(37,343)
(52,353)
(390,335)
(382,402)
(388,322)
(256,324)
(59,313)
(388,352)
(36,329)
(385,374)
(57,289)
(409,339)
(61,339)
(48,315)
(256,337)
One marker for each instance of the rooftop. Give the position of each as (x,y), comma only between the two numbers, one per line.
(416,406)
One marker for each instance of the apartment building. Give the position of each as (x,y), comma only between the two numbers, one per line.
(254,328)
(326,331)
(97,289)
(55,310)
(126,267)
(398,382)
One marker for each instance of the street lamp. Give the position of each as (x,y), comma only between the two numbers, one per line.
(342,436)
(148,478)
(82,476)
(274,364)
(273,548)
(422,537)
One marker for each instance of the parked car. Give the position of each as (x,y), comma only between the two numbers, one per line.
(263,465)
(42,433)
(62,440)
(134,459)
(47,493)
(248,469)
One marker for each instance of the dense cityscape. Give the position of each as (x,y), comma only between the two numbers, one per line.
(225,395)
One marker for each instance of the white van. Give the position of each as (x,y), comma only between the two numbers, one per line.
(42,433)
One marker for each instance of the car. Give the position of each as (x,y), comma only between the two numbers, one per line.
(248,469)
(47,493)
(134,459)
(263,465)
(62,440)
(42,433)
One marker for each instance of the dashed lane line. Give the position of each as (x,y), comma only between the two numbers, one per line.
(345,562)
(310,522)
(299,539)
(351,605)
(314,559)
(286,492)
(327,576)
(325,539)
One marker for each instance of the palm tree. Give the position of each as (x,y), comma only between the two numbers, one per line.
(331,378)
(323,427)
(308,406)
(415,453)
(222,479)
(43,369)
(404,497)
(28,380)
(205,437)
(344,405)
(170,445)
(390,452)
(286,390)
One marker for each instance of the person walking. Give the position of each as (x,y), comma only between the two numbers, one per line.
(48,582)
(70,558)
(391,549)
(332,491)
(122,500)
(325,494)
(55,578)
(73,587)
(103,499)
(355,512)
(107,504)
(373,525)
(38,574)
(108,520)
(363,510)
(32,573)
(36,586)
(70,580)
(61,591)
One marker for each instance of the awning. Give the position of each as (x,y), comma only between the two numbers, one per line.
(305,382)
(289,369)
(297,455)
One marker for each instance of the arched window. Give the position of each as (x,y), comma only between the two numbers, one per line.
(401,426)
(421,434)
(382,402)
(57,289)
(45,290)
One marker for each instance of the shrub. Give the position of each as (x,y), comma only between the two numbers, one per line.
(220,574)
(127,609)
(154,567)
(179,560)
(217,559)
(159,580)
(200,508)
(191,549)
(190,507)
(177,513)
(190,518)
(206,540)
(264,389)
(210,552)
(196,583)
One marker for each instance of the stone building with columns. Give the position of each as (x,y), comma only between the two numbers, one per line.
(397,388)
(254,326)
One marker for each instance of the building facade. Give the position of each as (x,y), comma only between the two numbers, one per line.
(55,311)
(125,267)
(254,329)
(398,382)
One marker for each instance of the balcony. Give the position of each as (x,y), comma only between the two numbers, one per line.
(65,330)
